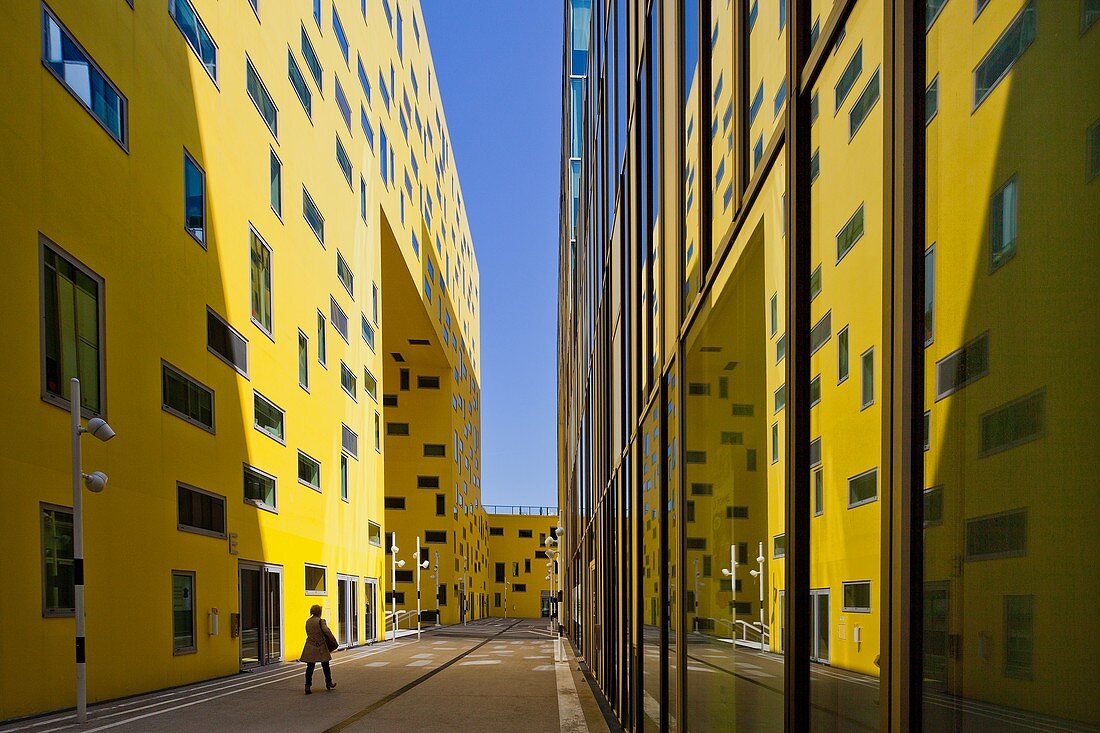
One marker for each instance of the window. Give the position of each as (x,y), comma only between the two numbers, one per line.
(427,482)
(313,216)
(374,534)
(750,459)
(199,511)
(223,341)
(780,96)
(338,30)
(317,12)
(997,535)
(815,165)
(374,302)
(186,398)
(343,160)
(758,151)
(194,199)
(440,505)
(370,385)
(927,429)
(820,333)
(183,612)
(933,11)
(929,296)
(815,452)
(757,102)
(342,102)
(397,428)
(303,361)
(779,546)
(316,580)
(519,587)
(349,441)
(863,489)
(1019,636)
(268,417)
(525,533)
(775,442)
(312,63)
(849,234)
(774,303)
(815,390)
(377,432)
(363,81)
(189,23)
(435,537)
(259,488)
(1090,13)
(1005,51)
(1002,224)
(933,506)
(58,586)
(299,83)
(849,76)
(815,283)
(345,480)
(857,596)
(863,105)
(932,99)
(368,332)
(435,450)
(339,318)
(962,367)
(1015,423)
(276,185)
(497,532)
(321,348)
(394,502)
(819,491)
(65,58)
(363,193)
(72,324)
(257,92)
(344,274)
(780,398)
(261,283)
(309,471)
(867,373)
(781,348)
(427,382)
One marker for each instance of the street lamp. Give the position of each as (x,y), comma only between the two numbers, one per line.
(420,564)
(759,575)
(394,564)
(435,581)
(95,481)
(731,573)
(695,597)
(506,584)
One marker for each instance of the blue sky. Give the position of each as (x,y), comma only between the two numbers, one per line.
(498,67)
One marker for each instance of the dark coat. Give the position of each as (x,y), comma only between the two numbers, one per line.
(316,649)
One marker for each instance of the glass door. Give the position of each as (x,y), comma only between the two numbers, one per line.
(370,590)
(251,611)
(820,608)
(261,611)
(348,610)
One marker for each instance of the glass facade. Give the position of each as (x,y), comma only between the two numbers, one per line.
(821,448)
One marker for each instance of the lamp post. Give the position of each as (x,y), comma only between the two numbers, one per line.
(506,584)
(731,573)
(759,575)
(420,564)
(435,581)
(95,482)
(394,565)
(465,602)
(554,541)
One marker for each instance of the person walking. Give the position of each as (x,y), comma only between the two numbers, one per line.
(320,643)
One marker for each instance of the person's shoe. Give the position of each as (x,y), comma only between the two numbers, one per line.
(308,691)
(330,685)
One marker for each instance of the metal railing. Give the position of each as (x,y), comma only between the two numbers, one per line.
(535,511)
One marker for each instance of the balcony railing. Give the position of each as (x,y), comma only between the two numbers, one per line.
(535,511)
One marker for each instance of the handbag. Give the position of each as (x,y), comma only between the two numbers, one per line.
(330,640)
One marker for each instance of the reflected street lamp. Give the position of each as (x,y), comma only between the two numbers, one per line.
(420,564)
(394,565)
(731,573)
(95,481)
(759,575)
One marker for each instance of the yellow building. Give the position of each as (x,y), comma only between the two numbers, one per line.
(688,204)
(518,545)
(220,216)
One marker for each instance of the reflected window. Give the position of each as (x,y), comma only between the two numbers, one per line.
(194,198)
(1017,38)
(1002,224)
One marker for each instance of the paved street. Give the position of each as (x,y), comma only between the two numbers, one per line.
(493,674)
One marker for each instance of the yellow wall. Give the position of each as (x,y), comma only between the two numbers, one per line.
(120,213)
(518,553)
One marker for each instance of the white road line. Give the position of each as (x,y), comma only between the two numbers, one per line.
(570,714)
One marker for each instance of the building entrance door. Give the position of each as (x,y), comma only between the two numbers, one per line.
(370,623)
(545,605)
(819,602)
(937,629)
(348,609)
(261,609)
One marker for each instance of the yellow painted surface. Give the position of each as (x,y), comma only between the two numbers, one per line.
(120,213)
(523,563)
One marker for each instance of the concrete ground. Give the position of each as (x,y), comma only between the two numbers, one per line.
(493,674)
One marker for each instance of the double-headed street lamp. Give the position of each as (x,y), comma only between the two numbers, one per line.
(731,573)
(435,582)
(506,584)
(759,575)
(553,543)
(394,565)
(420,564)
(95,481)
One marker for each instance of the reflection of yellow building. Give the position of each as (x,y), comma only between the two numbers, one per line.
(518,560)
(692,318)
(220,216)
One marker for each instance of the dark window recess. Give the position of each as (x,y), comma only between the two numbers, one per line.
(395,502)
(226,343)
(519,587)
(349,439)
(699,389)
(963,367)
(541,555)
(389,543)
(389,400)
(427,482)
(427,382)
(1013,424)
(700,489)
(404,576)
(435,537)
(815,452)
(187,398)
(742,608)
(440,505)
(404,380)
(820,334)
(526,533)
(496,531)
(399,597)
(435,450)
(737,512)
(695,456)
(442,594)
(397,428)
(741,409)
(498,569)
(697,543)
(201,511)
(1000,535)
